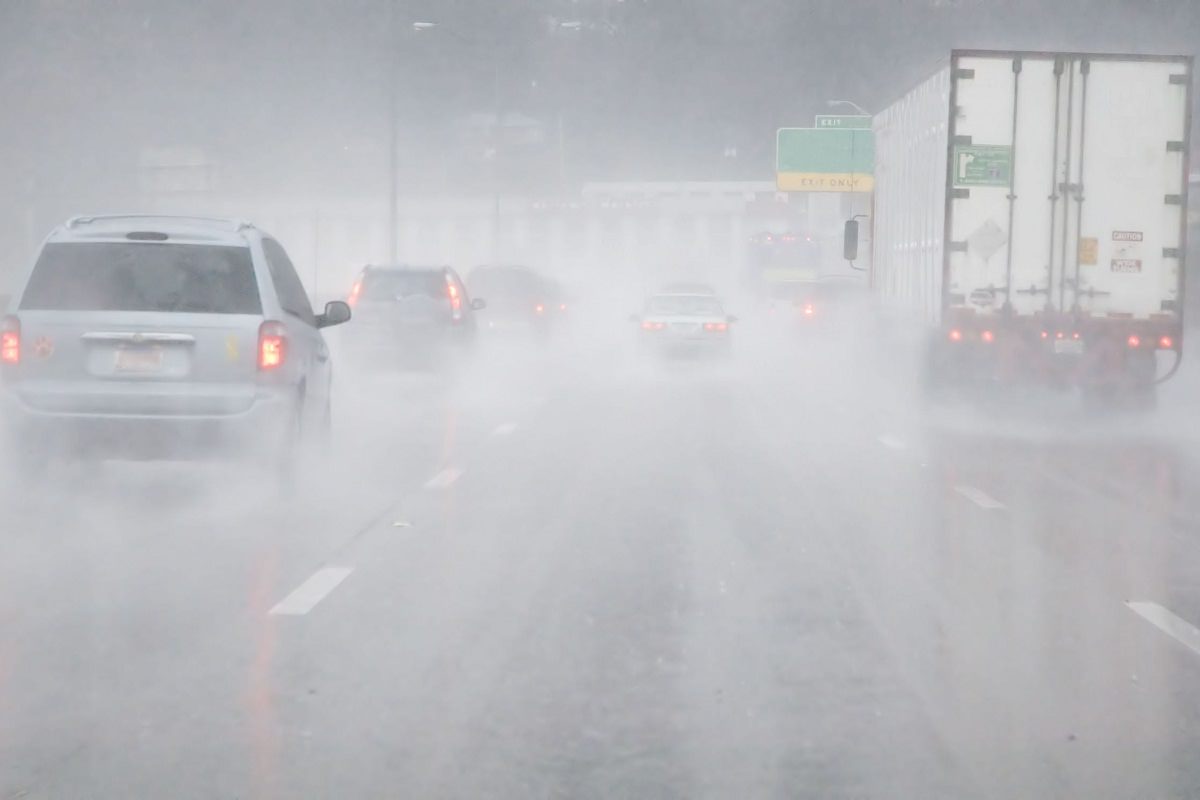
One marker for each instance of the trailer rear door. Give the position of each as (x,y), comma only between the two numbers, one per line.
(1067,185)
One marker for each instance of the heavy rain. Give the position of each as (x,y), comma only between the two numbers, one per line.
(599,399)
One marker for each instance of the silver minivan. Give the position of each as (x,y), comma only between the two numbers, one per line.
(163,337)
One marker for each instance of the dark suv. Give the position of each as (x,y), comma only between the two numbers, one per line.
(407,313)
(519,300)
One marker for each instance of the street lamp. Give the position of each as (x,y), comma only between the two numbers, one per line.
(851,103)
(492,152)
(394,31)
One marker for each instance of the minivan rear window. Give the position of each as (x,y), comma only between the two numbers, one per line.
(120,276)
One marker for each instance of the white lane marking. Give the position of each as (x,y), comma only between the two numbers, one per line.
(306,596)
(1178,629)
(444,478)
(891,442)
(979,497)
(505,429)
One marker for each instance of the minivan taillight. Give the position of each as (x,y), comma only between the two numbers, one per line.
(355,291)
(272,345)
(10,341)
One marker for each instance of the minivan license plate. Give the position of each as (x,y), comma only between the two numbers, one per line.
(139,359)
(1068,347)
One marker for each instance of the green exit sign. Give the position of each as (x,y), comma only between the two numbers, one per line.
(842,121)
(824,160)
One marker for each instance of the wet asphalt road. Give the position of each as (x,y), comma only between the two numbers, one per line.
(564,572)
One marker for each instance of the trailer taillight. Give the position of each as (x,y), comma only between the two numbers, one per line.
(955,335)
(1134,341)
(987,336)
(1165,343)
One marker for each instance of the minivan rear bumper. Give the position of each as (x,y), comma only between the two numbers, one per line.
(260,428)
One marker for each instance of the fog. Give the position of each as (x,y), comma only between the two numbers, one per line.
(634,472)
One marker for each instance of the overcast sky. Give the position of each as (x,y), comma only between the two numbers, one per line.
(289,94)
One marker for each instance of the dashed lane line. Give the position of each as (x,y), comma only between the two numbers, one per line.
(304,598)
(444,479)
(979,497)
(1162,618)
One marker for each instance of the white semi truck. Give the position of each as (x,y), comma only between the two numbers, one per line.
(1032,208)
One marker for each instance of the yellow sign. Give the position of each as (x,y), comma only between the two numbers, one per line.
(231,347)
(824,182)
(1089,250)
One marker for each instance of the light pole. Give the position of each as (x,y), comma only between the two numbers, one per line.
(848,202)
(851,103)
(492,153)
(393,134)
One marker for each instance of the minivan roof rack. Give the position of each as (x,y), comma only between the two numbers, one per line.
(235,224)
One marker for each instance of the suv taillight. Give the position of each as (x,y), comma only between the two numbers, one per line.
(10,341)
(455,297)
(272,345)
(355,291)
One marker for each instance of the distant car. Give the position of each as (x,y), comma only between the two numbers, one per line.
(519,300)
(827,303)
(684,323)
(407,314)
(163,337)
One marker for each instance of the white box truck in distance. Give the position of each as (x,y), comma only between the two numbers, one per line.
(1033,208)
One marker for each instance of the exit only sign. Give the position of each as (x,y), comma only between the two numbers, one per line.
(824,160)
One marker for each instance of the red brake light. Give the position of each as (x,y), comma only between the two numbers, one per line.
(1075,335)
(562,306)
(355,291)
(1045,334)
(455,296)
(809,310)
(539,308)
(10,341)
(987,336)
(719,327)
(955,335)
(1134,340)
(272,346)
(650,325)
(1166,342)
